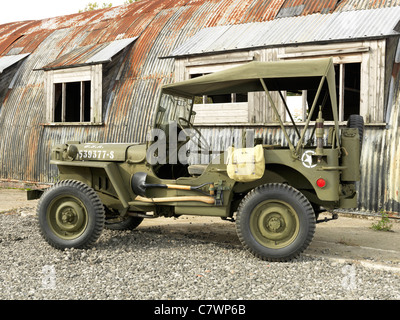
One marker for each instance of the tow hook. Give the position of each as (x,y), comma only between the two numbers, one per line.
(335,216)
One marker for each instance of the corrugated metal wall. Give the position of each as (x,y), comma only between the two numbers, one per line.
(388,157)
(162,26)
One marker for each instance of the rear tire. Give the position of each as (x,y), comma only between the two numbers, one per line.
(70,215)
(275,222)
(121,224)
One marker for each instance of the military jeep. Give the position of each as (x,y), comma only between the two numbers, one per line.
(273,193)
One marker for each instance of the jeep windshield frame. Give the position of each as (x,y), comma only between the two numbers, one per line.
(316,74)
(171,108)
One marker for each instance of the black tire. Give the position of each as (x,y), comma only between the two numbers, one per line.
(70,215)
(357,122)
(275,222)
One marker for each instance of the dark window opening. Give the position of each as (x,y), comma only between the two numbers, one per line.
(221,98)
(58,102)
(229,98)
(324,102)
(348,85)
(352,90)
(87,101)
(72,102)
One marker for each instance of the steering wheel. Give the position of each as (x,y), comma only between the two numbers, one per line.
(191,132)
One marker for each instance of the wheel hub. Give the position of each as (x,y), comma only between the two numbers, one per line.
(274,223)
(70,216)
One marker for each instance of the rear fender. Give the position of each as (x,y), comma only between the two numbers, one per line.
(277,173)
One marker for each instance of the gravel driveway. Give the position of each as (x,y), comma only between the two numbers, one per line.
(152,263)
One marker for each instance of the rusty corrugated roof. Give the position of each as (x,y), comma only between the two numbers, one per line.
(350,5)
(293,8)
(91,54)
(338,26)
(96,27)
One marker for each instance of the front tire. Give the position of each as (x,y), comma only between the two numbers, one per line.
(275,222)
(70,215)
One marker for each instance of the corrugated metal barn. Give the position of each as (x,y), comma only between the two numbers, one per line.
(95,76)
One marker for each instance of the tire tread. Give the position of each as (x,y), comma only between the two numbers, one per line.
(97,206)
(302,200)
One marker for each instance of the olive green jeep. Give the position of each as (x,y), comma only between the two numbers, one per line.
(274,193)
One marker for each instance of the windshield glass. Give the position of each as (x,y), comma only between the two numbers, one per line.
(172,108)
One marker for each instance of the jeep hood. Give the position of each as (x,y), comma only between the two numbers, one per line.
(99,152)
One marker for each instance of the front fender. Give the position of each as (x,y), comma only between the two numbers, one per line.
(81,171)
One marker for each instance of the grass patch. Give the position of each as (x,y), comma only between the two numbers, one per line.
(384,224)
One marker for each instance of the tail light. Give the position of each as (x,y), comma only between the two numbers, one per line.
(321,183)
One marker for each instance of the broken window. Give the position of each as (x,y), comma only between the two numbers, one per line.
(74,95)
(348,85)
(349,90)
(221,98)
(72,101)
(222,109)
(74,82)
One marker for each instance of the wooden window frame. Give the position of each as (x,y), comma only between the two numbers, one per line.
(341,97)
(206,65)
(368,53)
(92,73)
(372,73)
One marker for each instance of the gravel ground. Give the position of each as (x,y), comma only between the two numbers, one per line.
(147,264)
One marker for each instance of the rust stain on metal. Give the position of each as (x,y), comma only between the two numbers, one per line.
(396,70)
(365,4)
